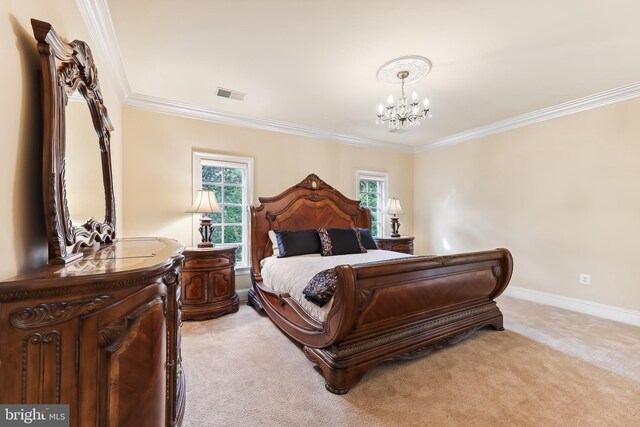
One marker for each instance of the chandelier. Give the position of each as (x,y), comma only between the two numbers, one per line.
(404,112)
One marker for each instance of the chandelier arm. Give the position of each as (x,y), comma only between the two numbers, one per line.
(403,113)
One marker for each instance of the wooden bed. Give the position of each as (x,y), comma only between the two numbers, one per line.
(397,309)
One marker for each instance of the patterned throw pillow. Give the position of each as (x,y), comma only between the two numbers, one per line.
(340,241)
(321,287)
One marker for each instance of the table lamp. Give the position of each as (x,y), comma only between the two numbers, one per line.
(394,209)
(205,203)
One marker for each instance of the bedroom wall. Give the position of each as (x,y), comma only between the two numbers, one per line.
(562,195)
(22,227)
(158,169)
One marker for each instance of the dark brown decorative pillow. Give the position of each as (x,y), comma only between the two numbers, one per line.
(298,242)
(340,241)
(367,238)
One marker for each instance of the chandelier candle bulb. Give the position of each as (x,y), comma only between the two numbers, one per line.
(414,95)
(390,100)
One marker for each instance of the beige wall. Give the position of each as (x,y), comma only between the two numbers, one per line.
(22,227)
(158,168)
(562,195)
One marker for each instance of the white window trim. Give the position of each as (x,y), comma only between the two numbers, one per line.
(380,176)
(247,164)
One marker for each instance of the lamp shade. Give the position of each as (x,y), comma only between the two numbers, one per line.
(393,207)
(205,202)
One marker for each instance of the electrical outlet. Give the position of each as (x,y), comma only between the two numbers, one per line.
(585,279)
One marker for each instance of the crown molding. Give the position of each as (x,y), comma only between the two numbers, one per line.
(601,99)
(168,106)
(97,18)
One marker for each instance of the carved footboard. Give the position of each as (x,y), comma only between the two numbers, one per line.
(395,309)
(406,308)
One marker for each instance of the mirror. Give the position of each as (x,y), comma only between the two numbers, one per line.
(83,167)
(76,167)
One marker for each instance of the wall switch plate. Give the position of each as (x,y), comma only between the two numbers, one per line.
(585,279)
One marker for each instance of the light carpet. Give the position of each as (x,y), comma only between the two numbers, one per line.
(550,367)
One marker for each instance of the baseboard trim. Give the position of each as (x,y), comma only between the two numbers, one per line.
(243,294)
(604,311)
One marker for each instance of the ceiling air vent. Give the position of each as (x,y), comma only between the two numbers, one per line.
(228,93)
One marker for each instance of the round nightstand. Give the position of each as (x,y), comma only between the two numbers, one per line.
(209,282)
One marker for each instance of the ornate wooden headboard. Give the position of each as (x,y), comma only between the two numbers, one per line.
(308,205)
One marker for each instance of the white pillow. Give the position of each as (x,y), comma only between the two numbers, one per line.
(274,243)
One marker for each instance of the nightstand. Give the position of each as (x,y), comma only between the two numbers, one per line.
(402,244)
(208,282)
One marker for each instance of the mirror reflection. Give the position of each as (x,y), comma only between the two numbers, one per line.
(83,167)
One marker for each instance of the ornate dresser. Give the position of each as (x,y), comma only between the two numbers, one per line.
(98,328)
(101,334)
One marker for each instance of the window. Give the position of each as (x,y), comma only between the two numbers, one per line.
(231,179)
(372,192)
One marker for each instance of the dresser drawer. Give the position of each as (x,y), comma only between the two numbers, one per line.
(209,262)
(402,247)
(397,244)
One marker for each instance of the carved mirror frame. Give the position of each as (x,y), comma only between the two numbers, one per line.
(67,67)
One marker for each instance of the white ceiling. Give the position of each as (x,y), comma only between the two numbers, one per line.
(313,63)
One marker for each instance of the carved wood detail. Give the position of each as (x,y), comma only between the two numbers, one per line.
(438,345)
(52,313)
(112,334)
(350,350)
(312,201)
(68,290)
(40,340)
(313,182)
(172,277)
(67,67)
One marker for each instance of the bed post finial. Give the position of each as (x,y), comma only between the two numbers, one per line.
(312,182)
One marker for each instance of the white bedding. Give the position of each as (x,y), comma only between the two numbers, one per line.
(292,274)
